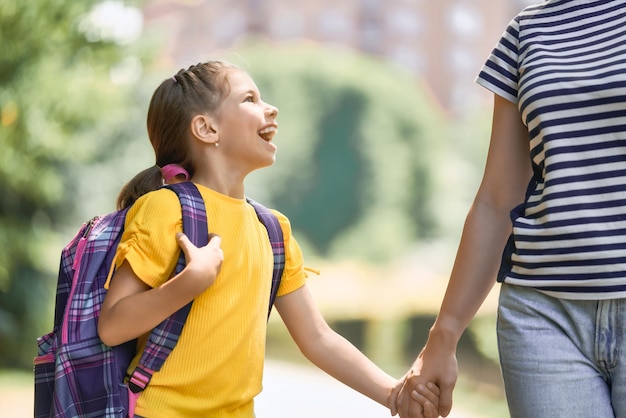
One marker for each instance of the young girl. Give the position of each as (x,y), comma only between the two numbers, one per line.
(210,120)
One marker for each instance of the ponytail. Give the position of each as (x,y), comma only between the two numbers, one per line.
(146,181)
(199,89)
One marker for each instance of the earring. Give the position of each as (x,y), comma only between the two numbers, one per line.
(217,144)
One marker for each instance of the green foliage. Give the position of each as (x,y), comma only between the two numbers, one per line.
(483,331)
(57,111)
(460,168)
(357,141)
(358,169)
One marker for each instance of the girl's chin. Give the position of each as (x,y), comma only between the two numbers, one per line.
(266,162)
(271,161)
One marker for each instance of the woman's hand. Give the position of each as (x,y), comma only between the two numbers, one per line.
(422,403)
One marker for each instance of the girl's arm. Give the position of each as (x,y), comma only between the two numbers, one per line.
(487,227)
(331,352)
(131,308)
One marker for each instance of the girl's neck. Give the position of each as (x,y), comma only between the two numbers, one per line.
(225,185)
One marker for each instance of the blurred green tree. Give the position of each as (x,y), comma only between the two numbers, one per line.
(63,103)
(358,143)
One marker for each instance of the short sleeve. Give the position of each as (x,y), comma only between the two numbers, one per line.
(294,276)
(500,73)
(149,243)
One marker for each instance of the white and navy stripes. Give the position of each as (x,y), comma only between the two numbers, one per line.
(564,63)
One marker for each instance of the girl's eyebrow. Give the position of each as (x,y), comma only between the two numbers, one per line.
(254,93)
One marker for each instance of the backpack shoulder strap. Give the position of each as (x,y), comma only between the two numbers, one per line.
(88,259)
(275,232)
(71,256)
(164,337)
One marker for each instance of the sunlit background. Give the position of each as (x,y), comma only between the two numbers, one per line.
(382,140)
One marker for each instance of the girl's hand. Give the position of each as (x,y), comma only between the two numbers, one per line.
(131,308)
(392,401)
(203,263)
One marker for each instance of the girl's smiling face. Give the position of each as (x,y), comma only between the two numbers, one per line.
(246,124)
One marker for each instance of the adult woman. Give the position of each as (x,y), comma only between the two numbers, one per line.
(553,196)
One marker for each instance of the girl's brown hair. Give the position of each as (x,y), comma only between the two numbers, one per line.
(199,89)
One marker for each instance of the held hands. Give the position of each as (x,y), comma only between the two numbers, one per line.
(203,263)
(423,402)
(434,366)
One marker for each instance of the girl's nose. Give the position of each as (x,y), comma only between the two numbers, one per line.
(272,110)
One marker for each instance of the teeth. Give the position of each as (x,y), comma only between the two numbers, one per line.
(267,130)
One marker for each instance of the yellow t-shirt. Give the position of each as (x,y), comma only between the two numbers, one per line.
(217,366)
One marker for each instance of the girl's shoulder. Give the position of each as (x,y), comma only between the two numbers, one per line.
(157,204)
(284,222)
(285,225)
(281,217)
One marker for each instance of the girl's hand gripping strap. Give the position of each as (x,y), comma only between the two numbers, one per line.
(164,337)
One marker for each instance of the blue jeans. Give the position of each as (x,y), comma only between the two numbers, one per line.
(562,358)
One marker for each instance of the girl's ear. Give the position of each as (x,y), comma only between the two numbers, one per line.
(204,128)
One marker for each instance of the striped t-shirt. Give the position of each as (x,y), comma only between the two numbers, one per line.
(563,62)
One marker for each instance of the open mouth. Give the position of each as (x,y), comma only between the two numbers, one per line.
(268,133)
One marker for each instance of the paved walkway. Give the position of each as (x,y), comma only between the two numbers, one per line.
(296,391)
(290,391)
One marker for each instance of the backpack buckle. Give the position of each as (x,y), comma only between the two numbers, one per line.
(139,380)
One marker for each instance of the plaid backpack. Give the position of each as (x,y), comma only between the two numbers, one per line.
(76,375)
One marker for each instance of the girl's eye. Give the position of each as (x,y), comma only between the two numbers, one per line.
(249,99)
